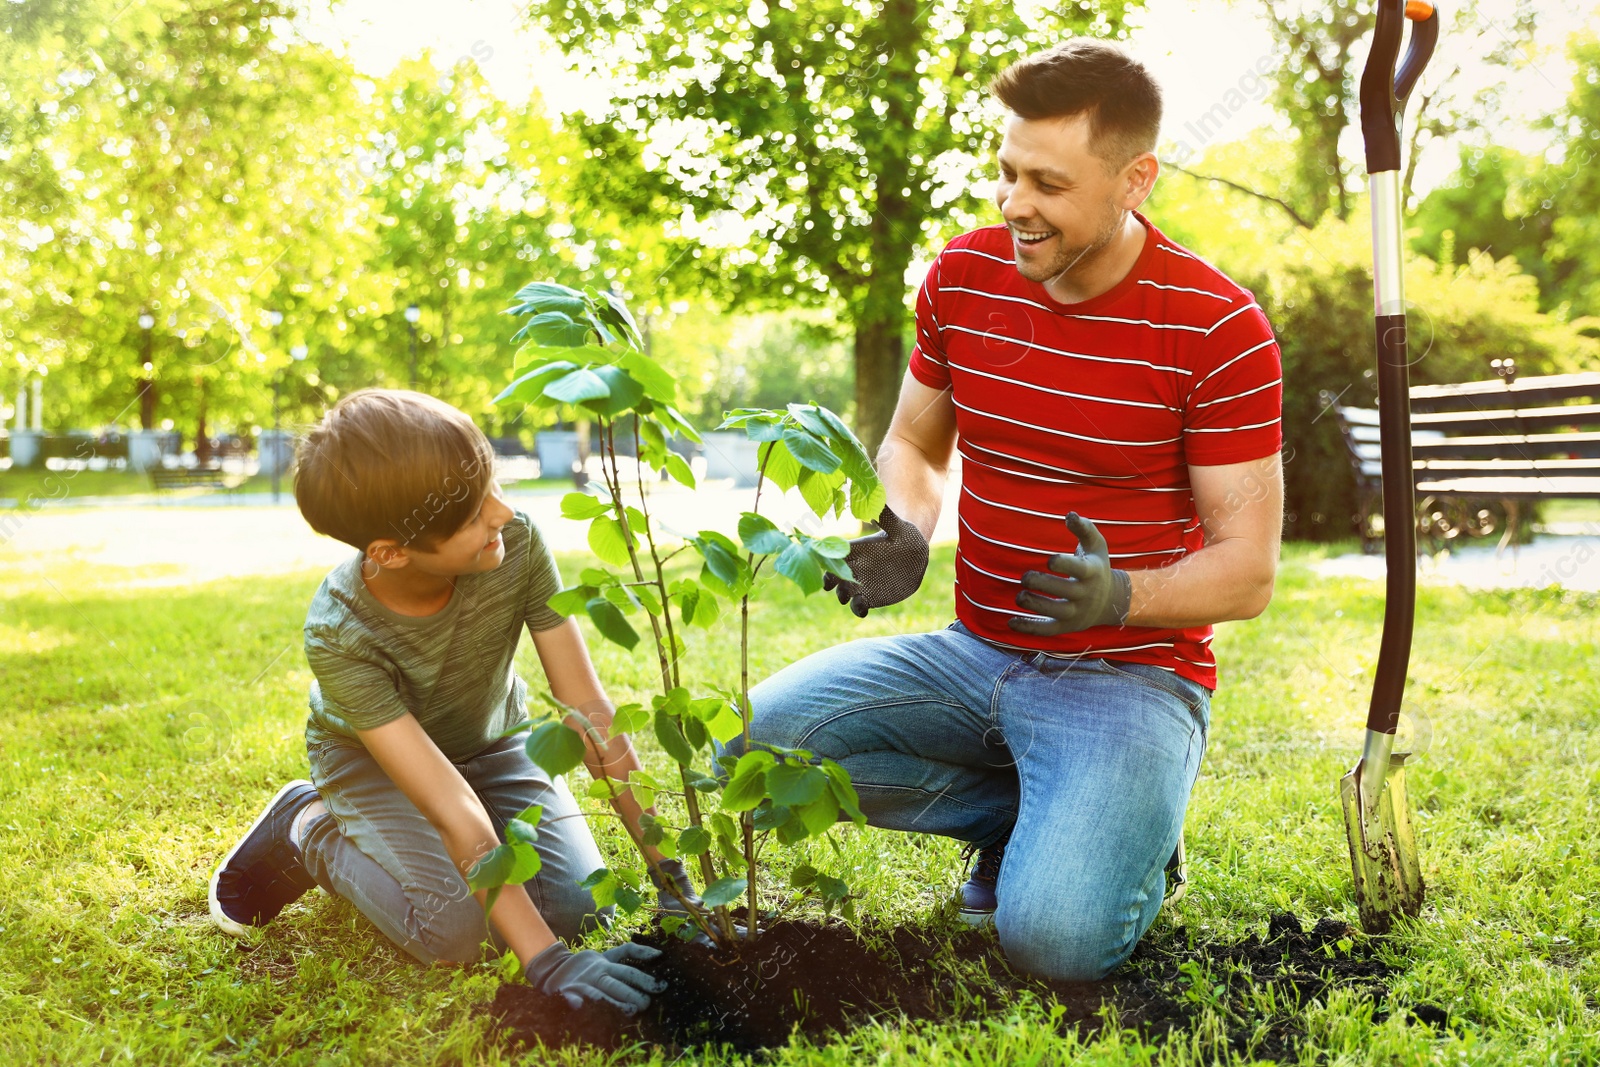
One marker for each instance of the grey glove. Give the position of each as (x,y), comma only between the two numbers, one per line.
(888,566)
(1093,593)
(591,977)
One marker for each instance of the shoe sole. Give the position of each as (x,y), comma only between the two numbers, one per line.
(975,918)
(218,916)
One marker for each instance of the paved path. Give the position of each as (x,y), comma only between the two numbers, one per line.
(1569,558)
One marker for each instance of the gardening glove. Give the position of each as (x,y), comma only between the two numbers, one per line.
(1091,594)
(888,566)
(670,905)
(591,977)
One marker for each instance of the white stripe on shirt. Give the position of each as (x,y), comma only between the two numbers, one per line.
(1075,355)
(1064,433)
(1060,392)
(1186,289)
(1052,515)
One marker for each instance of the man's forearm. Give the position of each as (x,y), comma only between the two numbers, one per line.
(913,481)
(1225,580)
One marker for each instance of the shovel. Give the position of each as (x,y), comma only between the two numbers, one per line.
(1377,817)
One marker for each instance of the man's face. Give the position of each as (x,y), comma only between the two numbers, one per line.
(1059,199)
(474,548)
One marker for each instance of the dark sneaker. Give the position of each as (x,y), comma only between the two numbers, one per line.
(976,899)
(1177,876)
(262,874)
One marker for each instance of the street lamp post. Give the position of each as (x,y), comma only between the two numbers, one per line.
(147,392)
(413,313)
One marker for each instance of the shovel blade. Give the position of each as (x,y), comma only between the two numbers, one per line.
(1383,853)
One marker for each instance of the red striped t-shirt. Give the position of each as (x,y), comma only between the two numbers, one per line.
(1097,407)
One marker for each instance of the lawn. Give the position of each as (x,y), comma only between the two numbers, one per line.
(145,731)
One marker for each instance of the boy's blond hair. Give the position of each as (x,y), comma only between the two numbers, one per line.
(391,463)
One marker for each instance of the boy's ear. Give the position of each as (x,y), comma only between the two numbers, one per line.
(388,553)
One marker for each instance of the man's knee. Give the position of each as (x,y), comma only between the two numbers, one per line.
(452,931)
(1073,945)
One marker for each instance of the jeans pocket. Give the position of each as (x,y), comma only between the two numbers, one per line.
(1192,694)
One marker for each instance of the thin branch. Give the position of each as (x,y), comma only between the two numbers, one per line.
(1293,214)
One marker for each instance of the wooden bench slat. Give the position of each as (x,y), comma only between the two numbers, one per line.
(1518,488)
(1507,421)
(1542,389)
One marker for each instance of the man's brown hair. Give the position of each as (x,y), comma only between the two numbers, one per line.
(390,463)
(1086,76)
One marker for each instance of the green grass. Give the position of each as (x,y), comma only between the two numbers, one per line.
(142,733)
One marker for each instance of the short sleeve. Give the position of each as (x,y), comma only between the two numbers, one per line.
(544,582)
(1235,405)
(927,358)
(362,691)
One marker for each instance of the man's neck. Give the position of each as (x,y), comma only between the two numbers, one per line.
(408,591)
(1100,272)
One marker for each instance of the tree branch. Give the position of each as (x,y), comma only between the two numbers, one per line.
(1293,214)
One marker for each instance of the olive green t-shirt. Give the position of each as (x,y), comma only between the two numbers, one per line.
(452,669)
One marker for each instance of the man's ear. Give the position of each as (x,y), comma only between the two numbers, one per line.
(388,553)
(1139,179)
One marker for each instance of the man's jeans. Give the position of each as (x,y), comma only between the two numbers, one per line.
(1087,765)
(381,854)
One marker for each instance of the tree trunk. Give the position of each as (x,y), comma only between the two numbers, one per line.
(202,443)
(880,361)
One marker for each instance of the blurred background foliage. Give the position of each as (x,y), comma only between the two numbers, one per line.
(208,164)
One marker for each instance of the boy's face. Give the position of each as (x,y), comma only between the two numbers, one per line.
(474,548)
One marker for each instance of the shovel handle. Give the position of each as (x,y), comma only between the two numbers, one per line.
(1383,91)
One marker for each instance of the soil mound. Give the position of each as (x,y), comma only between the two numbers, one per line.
(822,978)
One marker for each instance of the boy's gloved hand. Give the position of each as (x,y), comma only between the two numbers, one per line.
(591,977)
(888,566)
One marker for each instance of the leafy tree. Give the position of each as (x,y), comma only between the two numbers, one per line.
(1571,186)
(1490,205)
(839,135)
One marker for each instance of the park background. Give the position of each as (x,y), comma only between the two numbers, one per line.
(215,216)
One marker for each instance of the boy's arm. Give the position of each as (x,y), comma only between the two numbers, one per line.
(415,764)
(567,667)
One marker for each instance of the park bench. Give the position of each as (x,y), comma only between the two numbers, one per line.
(164,478)
(1510,440)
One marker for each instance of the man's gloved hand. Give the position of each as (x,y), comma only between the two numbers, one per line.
(1091,594)
(591,977)
(888,566)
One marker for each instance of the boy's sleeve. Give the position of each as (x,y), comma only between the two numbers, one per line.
(544,582)
(1235,406)
(362,692)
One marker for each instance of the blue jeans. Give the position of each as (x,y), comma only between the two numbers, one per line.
(1086,764)
(375,849)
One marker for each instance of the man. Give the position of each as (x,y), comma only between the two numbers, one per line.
(1116,403)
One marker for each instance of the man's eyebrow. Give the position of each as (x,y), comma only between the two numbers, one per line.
(1047,173)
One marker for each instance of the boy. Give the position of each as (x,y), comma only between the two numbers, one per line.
(411,642)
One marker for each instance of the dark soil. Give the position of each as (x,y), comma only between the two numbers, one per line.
(823,977)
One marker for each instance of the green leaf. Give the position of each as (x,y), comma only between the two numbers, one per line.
(745,790)
(582,506)
(760,535)
(724,827)
(492,868)
(803,875)
(810,452)
(694,730)
(531,814)
(578,386)
(794,784)
(799,565)
(674,419)
(648,598)
(831,547)
(819,815)
(810,418)
(657,383)
(614,310)
(782,469)
(611,623)
(726,724)
(555,748)
(630,718)
(555,329)
(604,789)
(622,392)
(845,793)
(670,734)
(525,863)
(607,541)
(529,388)
(623,597)
(679,471)
(771,816)
(521,831)
(570,601)
(644,787)
(550,296)
(720,561)
(723,891)
(693,841)
(818,490)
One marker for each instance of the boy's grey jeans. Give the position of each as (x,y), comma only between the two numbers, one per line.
(379,852)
